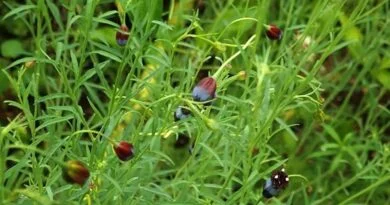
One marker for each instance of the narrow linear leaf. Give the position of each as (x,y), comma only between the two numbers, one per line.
(18,10)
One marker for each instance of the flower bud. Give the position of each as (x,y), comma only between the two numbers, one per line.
(75,172)
(124,151)
(277,182)
(122,35)
(212,124)
(205,89)
(181,113)
(29,64)
(241,75)
(181,141)
(200,5)
(219,47)
(273,32)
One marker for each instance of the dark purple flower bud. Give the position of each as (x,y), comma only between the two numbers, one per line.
(273,32)
(75,172)
(181,141)
(200,5)
(205,89)
(122,35)
(277,182)
(124,151)
(181,113)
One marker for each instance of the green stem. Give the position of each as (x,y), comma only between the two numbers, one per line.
(221,68)
(377,183)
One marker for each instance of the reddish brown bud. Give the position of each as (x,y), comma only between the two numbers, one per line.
(75,172)
(124,151)
(273,32)
(122,35)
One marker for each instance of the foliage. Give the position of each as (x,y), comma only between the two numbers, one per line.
(315,102)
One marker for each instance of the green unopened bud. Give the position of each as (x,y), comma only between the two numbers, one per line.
(221,48)
(241,75)
(22,133)
(212,124)
(264,68)
(29,64)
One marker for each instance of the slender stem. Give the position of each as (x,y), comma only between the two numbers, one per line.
(221,68)
(297,176)
(25,147)
(121,12)
(377,183)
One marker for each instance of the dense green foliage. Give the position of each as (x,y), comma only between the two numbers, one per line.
(316,102)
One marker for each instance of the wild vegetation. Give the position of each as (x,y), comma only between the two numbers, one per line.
(194,102)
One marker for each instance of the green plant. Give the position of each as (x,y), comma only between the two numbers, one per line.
(309,102)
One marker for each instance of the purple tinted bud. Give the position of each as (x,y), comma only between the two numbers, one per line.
(269,191)
(278,181)
(181,113)
(124,151)
(122,35)
(205,90)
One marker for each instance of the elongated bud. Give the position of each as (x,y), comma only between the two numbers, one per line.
(205,89)
(29,64)
(75,172)
(181,113)
(122,35)
(273,32)
(278,181)
(124,151)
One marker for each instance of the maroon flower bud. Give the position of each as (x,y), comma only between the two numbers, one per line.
(278,181)
(273,32)
(124,151)
(122,35)
(75,172)
(205,89)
